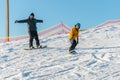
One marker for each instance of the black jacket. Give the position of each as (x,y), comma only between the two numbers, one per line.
(31,23)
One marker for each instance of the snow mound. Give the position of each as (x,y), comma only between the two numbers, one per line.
(98,57)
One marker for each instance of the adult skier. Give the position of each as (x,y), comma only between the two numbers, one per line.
(32,29)
(73,37)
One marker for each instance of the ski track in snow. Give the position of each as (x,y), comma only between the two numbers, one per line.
(98,58)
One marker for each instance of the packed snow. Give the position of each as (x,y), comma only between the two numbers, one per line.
(98,57)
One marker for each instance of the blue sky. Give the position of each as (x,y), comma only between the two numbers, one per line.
(88,12)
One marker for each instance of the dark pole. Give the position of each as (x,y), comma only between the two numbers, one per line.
(7,20)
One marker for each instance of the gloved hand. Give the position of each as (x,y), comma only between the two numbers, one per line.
(71,40)
(77,42)
(16,21)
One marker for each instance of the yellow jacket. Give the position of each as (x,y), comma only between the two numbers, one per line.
(73,33)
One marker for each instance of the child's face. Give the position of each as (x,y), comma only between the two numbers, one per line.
(77,27)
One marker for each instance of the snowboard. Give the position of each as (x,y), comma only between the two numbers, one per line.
(36,48)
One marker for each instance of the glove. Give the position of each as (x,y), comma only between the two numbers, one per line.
(71,40)
(16,21)
(42,21)
(77,42)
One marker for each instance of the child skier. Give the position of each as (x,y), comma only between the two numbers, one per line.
(73,36)
(32,29)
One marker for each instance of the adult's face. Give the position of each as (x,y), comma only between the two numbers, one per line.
(31,17)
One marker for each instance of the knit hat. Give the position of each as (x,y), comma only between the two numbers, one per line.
(78,24)
(32,14)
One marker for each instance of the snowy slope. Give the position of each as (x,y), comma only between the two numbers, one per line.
(98,58)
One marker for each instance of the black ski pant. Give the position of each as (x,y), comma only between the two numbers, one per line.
(33,35)
(73,44)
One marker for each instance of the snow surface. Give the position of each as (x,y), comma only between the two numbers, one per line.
(98,57)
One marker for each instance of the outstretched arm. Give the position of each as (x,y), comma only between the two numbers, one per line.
(21,21)
(41,21)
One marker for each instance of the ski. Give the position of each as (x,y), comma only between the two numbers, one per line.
(35,48)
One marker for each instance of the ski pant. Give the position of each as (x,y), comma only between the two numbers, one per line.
(33,35)
(73,44)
